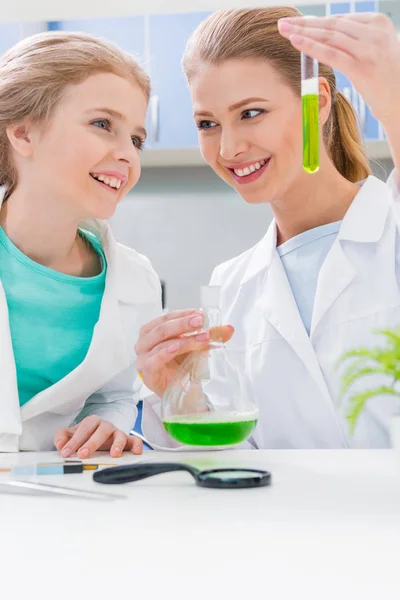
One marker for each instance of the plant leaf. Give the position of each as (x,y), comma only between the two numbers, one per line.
(359,400)
(352,375)
(358,353)
(393,336)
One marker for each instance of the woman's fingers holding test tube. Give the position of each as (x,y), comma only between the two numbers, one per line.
(363,46)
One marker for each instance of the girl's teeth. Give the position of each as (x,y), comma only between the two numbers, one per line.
(110,181)
(252,168)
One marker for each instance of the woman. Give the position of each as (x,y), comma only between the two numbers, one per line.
(72,114)
(326,275)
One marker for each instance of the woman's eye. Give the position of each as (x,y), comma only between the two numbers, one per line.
(206,125)
(138,142)
(252,112)
(102,124)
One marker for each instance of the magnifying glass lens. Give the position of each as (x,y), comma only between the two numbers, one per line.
(233,474)
(234,478)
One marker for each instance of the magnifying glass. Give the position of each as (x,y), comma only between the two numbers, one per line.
(227,478)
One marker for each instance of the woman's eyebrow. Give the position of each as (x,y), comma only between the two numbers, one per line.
(236,106)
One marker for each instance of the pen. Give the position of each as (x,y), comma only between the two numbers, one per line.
(60,468)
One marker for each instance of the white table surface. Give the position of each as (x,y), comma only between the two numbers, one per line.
(327,528)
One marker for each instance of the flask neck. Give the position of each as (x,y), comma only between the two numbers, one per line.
(212,318)
(213,321)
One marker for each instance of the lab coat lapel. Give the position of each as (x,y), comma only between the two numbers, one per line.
(277,304)
(10,413)
(335,275)
(364,222)
(109,351)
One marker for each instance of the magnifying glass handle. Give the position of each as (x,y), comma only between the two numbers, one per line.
(128,473)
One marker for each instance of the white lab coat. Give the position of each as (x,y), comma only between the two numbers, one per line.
(105,383)
(293,377)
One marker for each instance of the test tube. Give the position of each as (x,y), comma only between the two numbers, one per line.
(310,107)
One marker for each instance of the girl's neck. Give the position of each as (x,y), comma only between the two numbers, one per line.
(46,233)
(318,199)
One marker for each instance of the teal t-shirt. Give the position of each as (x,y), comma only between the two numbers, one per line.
(52,316)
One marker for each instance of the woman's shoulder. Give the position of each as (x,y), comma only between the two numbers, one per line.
(233,270)
(394,184)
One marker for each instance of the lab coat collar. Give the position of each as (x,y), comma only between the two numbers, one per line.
(369,208)
(262,254)
(128,289)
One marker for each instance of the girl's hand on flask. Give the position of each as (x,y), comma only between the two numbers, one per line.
(362,46)
(163,346)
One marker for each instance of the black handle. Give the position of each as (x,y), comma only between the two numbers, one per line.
(128,473)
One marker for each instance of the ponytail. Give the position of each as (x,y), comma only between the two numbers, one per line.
(344,142)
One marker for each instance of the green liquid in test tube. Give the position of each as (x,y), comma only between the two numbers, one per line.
(310,105)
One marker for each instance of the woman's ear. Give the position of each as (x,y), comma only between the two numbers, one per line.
(325,100)
(19,137)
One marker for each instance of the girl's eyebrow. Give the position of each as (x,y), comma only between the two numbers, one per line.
(110,111)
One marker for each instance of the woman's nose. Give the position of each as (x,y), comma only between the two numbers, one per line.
(232,146)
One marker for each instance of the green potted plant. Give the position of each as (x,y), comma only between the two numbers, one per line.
(361,363)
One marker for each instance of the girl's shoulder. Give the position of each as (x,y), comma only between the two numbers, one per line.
(133,272)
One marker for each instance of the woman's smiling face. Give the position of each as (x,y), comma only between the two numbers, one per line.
(250,124)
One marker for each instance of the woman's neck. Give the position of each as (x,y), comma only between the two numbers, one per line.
(316,200)
(47,234)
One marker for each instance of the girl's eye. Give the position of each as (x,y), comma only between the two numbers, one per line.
(206,125)
(103,124)
(252,112)
(138,142)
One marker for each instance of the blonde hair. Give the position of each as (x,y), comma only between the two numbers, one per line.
(36,71)
(253,33)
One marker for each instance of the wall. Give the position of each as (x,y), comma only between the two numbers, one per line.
(49,10)
(186,220)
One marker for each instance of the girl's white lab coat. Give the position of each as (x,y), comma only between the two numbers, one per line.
(103,384)
(293,376)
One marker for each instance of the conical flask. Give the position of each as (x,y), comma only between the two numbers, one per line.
(208,402)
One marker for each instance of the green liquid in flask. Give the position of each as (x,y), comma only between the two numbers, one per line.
(310,133)
(211,429)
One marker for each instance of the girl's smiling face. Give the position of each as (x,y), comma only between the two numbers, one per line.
(87,155)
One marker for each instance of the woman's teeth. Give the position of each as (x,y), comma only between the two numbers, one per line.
(110,181)
(249,169)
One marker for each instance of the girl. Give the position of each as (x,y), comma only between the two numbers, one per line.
(72,114)
(327,273)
